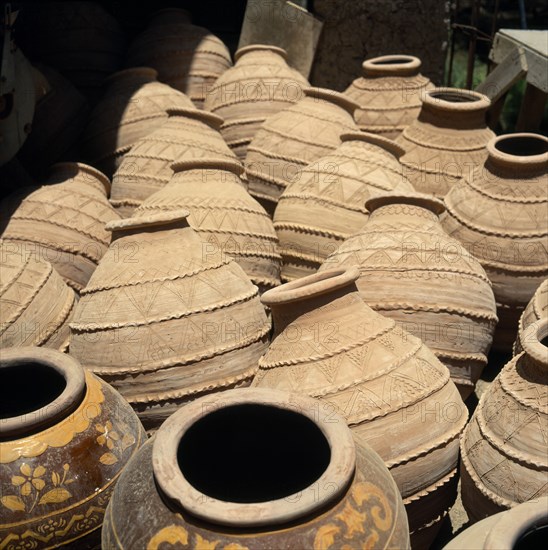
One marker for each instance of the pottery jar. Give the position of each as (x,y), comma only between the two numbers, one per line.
(294,478)
(499,214)
(388,93)
(65,436)
(392,390)
(536,309)
(164,322)
(260,84)
(447,141)
(325,203)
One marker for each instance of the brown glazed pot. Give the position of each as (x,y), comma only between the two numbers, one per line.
(260,84)
(388,93)
(499,214)
(134,105)
(65,436)
(294,478)
(536,309)
(503,448)
(229,221)
(414,273)
(447,141)
(35,304)
(524,526)
(188,134)
(63,221)
(187,57)
(392,390)
(162,322)
(293,138)
(325,203)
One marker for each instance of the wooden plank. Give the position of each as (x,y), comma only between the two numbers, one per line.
(532,109)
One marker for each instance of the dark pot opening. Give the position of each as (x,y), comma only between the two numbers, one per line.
(522,146)
(532,540)
(544,341)
(28,387)
(398,61)
(454,97)
(253,453)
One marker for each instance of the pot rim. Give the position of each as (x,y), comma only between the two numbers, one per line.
(71,396)
(142,71)
(531,341)
(387,144)
(260,47)
(474,101)
(422,200)
(158,219)
(331,96)
(311,286)
(234,166)
(175,486)
(84,168)
(384,65)
(497,154)
(211,119)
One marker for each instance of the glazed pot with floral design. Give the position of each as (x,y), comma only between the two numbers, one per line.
(65,436)
(255,469)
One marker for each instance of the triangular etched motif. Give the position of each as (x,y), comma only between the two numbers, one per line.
(330,367)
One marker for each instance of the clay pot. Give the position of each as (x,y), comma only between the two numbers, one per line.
(325,203)
(524,526)
(503,448)
(499,214)
(536,309)
(293,138)
(230,222)
(163,322)
(414,273)
(393,392)
(60,116)
(294,478)
(260,84)
(447,141)
(146,168)
(63,220)
(187,57)
(134,105)
(65,436)
(388,93)
(35,304)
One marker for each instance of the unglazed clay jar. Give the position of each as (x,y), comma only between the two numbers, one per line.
(294,478)
(259,85)
(229,221)
(293,138)
(388,93)
(146,168)
(35,304)
(414,273)
(503,448)
(187,57)
(63,221)
(500,215)
(163,322)
(536,309)
(524,526)
(392,390)
(447,141)
(325,203)
(65,436)
(134,105)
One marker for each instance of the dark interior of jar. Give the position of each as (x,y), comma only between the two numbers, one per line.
(536,538)
(544,341)
(399,61)
(253,453)
(27,387)
(522,146)
(454,97)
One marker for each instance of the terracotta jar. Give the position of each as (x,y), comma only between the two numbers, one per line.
(414,273)
(503,448)
(163,322)
(64,220)
(65,436)
(536,309)
(146,168)
(60,116)
(499,214)
(134,105)
(35,304)
(187,57)
(393,392)
(230,222)
(293,138)
(388,93)
(260,84)
(447,141)
(524,526)
(325,203)
(294,478)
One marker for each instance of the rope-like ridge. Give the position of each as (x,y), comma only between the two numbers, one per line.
(326,200)
(298,228)
(390,306)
